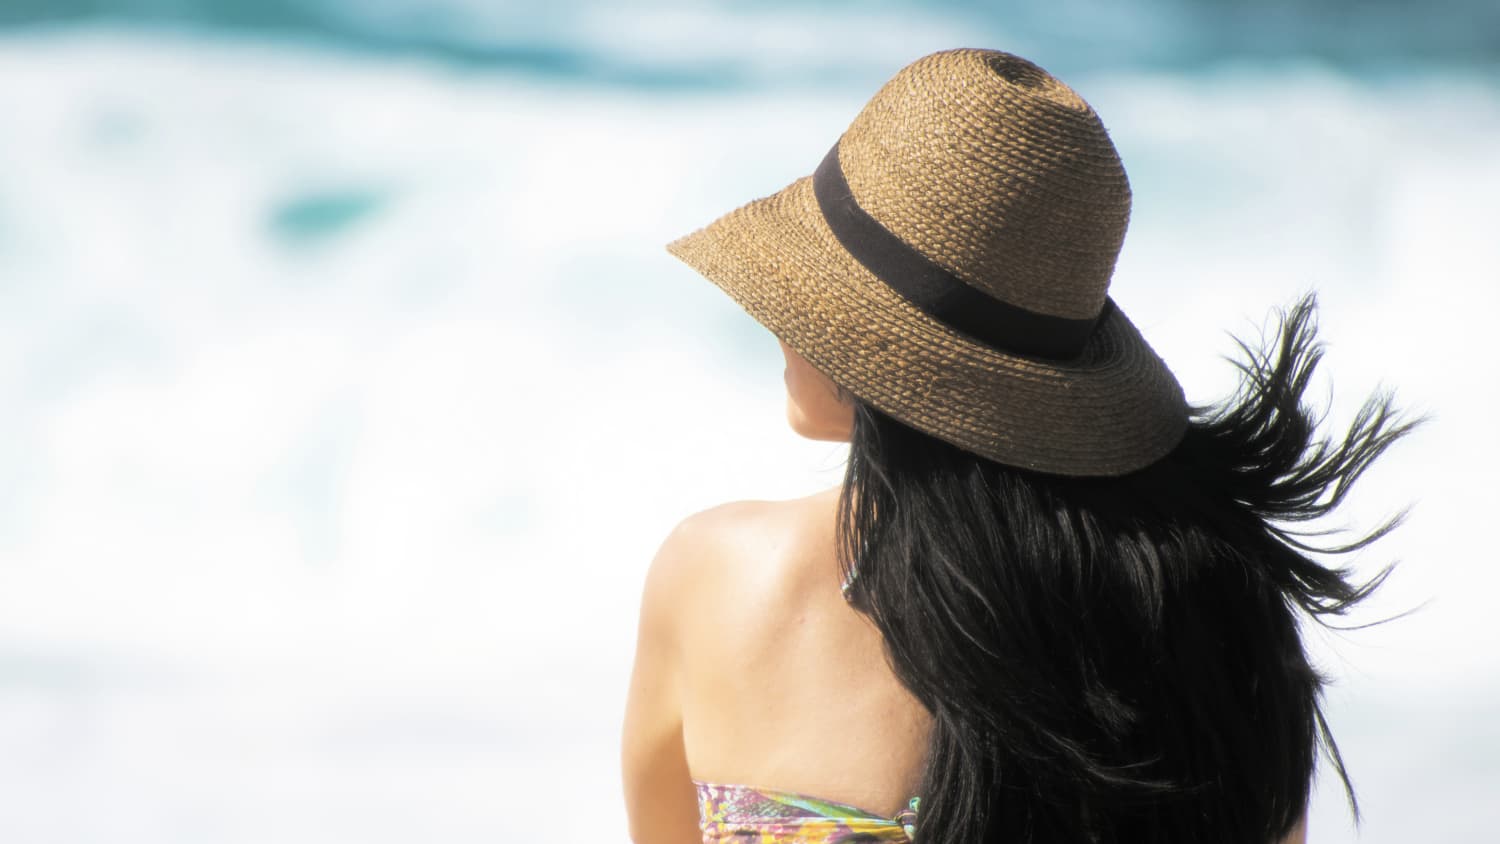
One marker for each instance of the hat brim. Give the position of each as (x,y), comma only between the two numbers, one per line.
(1111,410)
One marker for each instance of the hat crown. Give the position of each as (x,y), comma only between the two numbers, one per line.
(998,172)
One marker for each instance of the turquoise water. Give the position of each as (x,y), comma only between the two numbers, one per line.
(348,389)
(716,43)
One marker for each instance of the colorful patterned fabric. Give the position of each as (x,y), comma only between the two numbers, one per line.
(742,814)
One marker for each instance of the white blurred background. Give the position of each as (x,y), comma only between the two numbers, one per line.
(346,389)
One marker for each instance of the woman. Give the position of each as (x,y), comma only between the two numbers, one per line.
(1050,602)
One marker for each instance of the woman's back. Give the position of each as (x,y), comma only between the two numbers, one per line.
(785,686)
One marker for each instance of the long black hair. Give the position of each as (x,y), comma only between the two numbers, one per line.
(1117,659)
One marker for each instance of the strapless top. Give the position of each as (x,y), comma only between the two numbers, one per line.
(745,813)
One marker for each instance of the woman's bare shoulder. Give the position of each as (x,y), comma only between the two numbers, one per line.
(698,545)
(745,550)
(700,538)
(748,528)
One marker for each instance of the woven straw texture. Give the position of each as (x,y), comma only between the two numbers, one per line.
(1002,175)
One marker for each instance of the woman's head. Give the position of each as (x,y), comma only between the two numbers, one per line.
(949,261)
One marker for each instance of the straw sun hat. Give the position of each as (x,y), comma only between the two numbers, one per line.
(949,262)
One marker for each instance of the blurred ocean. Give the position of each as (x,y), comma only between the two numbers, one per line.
(347,389)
